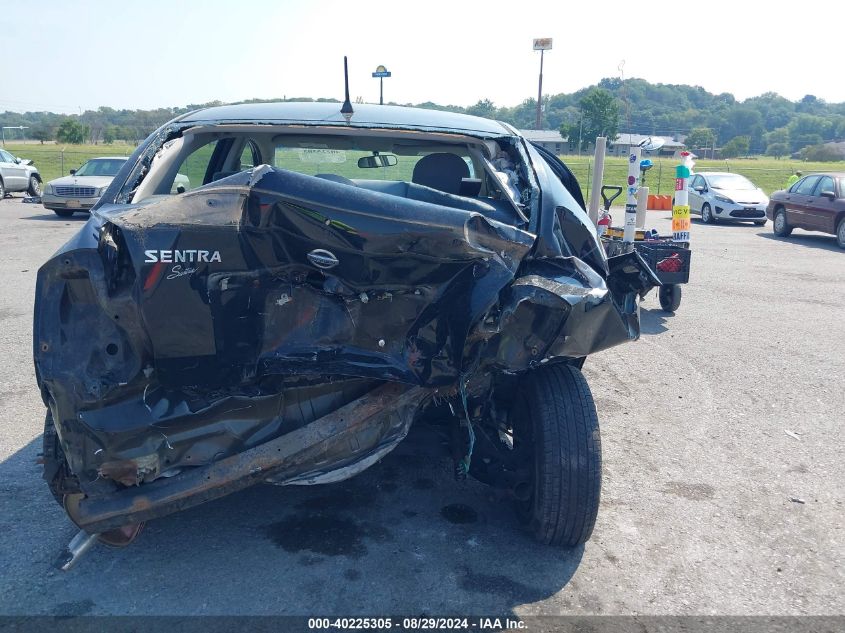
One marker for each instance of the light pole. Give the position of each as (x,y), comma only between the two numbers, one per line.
(542,44)
(580,130)
(381,73)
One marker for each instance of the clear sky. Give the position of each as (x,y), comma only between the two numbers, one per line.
(64,56)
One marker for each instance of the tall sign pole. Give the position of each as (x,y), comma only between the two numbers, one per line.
(542,44)
(381,73)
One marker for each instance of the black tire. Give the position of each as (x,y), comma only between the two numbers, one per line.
(2,189)
(760,223)
(780,226)
(63,213)
(670,297)
(555,412)
(34,188)
(840,233)
(707,214)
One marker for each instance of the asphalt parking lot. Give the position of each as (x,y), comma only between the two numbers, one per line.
(723,485)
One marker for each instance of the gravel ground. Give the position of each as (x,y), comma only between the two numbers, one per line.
(712,424)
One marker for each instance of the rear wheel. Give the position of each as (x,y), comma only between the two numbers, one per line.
(707,214)
(840,233)
(63,213)
(556,414)
(34,188)
(780,226)
(670,297)
(2,189)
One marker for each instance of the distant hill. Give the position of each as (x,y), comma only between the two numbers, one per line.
(771,123)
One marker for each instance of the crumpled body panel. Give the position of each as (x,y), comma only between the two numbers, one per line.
(189,330)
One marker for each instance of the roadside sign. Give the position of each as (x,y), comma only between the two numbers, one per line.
(380,74)
(543,44)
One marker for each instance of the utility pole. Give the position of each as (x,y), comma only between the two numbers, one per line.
(580,130)
(541,44)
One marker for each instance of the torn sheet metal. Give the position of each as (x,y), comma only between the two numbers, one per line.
(338,440)
(186,336)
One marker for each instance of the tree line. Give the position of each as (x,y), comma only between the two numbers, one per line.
(767,124)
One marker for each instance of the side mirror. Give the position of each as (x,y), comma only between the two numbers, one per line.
(377,160)
(72,172)
(699,188)
(830,195)
(17,161)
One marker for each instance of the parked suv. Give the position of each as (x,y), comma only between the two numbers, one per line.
(18,174)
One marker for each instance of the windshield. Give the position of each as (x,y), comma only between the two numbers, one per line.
(731,181)
(341,162)
(355,163)
(101,167)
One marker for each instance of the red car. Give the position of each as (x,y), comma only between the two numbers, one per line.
(815,203)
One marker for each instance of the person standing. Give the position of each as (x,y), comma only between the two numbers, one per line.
(793,179)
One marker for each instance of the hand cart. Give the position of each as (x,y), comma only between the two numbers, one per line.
(669,260)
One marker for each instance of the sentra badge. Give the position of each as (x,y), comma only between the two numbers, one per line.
(178,256)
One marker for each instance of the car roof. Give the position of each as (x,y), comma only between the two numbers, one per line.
(718,173)
(364,116)
(110,158)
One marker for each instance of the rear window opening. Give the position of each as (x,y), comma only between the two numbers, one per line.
(408,165)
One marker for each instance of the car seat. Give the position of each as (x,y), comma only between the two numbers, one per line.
(442,171)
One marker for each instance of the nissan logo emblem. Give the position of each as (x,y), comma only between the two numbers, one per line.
(322,259)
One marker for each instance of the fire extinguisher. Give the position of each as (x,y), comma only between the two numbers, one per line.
(604,223)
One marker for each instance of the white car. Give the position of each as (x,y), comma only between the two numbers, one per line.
(726,196)
(18,174)
(81,190)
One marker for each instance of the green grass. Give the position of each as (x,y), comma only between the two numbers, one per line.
(767,173)
(48,157)
(403,170)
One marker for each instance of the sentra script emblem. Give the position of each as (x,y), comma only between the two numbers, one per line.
(177,256)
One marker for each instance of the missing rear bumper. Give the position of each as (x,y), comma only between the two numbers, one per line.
(335,443)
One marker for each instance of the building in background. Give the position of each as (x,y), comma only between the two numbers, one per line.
(548,139)
(621,145)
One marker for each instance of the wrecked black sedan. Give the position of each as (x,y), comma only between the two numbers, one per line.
(325,281)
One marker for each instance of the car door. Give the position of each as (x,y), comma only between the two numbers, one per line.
(798,198)
(820,211)
(14,174)
(696,198)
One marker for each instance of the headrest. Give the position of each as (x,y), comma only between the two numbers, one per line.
(442,171)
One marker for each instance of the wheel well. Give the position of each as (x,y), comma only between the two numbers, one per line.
(839,220)
(778,207)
